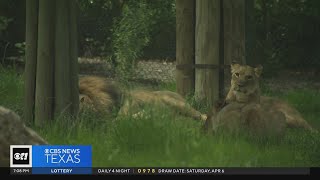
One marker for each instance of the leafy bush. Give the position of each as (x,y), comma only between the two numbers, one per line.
(134,30)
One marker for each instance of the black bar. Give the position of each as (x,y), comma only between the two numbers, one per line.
(20,171)
(202,171)
(268,171)
(183,171)
(315,171)
(4,171)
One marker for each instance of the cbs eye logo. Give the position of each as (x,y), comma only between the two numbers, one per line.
(20,156)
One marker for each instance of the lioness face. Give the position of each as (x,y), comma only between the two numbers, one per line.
(245,79)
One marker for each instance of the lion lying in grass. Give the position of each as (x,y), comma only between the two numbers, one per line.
(244,105)
(103,95)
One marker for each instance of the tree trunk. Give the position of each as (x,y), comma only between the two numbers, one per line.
(66,63)
(31,59)
(207,50)
(185,42)
(62,59)
(222,92)
(53,71)
(73,46)
(237,40)
(45,62)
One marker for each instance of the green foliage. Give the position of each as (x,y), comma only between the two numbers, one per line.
(163,35)
(288,33)
(4,22)
(21,47)
(131,34)
(12,26)
(134,29)
(96,20)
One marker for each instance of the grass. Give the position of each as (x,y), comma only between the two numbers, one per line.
(165,140)
(11,90)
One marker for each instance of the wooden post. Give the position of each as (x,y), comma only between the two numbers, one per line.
(238,34)
(222,92)
(62,59)
(185,22)
(52,60)
(207,50)
(74,68)
(66,59)
(45,61)
(31,59)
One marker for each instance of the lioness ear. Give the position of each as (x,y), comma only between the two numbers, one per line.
(234,66)
(258,70)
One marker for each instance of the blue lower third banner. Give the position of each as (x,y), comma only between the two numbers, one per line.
(61,159)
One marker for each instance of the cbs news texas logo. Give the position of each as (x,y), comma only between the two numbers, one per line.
(50,156)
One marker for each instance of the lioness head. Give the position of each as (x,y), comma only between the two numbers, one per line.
(85,103)
(244,82)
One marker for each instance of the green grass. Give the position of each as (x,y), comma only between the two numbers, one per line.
(11,90)
(163,139)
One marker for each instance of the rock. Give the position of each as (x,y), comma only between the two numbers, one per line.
(14,132)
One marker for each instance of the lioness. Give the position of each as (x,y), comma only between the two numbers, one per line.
(251,118)
(245,90)
(103,95)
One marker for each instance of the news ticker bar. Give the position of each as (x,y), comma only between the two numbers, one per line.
(166,171)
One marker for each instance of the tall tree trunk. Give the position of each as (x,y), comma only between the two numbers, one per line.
(66,63)
(207,50)
(222,88)
(185,40)
(237,39)
(73,31)
(62,59)
(52,61)
(45,62)
(31,59)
